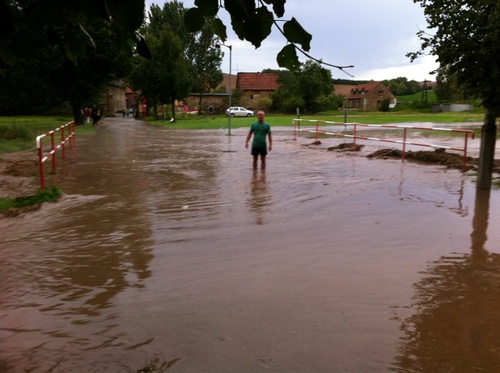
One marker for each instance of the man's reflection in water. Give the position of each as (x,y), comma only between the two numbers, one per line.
(260,197)
(455,323)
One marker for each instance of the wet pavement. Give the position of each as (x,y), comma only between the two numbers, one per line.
(169,250)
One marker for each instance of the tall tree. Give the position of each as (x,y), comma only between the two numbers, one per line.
(70,48)
(64,23)
(315,86)
(192,60)
(166,77)
(309,88)
(447,89)
(467,44)
(200,48)
(205,60)
(403,86)
(49,78)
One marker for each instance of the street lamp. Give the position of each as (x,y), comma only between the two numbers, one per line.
(230,87)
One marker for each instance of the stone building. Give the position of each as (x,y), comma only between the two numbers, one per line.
(369,96)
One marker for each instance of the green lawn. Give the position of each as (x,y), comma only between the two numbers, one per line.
(19,133)
(418,97)
(221,121)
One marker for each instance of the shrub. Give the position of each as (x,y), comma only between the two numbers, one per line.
(385,104)
(263,103)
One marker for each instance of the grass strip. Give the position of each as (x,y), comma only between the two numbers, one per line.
(43,195)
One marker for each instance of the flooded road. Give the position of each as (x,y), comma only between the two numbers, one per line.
(168,249)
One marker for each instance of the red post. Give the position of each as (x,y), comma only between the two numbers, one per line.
(40,164)
(53,153)
(404,144)
(465,150)
(354,136)
(71,137)
(72,134)
(63,143)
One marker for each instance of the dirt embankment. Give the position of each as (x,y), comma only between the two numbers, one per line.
(18,174)
(436,157)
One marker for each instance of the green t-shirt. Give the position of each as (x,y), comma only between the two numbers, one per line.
(260,131)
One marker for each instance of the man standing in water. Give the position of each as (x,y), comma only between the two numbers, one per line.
(260,130)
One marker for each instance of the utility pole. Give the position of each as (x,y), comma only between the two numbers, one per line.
(424,93)
(230,87)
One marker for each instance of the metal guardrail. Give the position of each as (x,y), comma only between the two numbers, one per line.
(404,141)
(71,126)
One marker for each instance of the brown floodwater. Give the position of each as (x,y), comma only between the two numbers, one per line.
(168,249)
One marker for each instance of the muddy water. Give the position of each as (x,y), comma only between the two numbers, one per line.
(167,249)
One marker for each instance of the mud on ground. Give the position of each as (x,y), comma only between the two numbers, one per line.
(18,174)
(436,157)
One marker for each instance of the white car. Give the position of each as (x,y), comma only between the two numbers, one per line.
(238,111)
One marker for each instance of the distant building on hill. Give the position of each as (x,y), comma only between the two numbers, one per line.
(369,96)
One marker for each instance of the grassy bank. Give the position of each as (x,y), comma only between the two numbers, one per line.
(19,133)
(46,195)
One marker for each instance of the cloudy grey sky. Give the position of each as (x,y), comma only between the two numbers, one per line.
(372,35)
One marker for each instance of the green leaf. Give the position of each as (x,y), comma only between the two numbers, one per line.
(258,26)
(128,14)
(194,20)
(266,20)
(219,29)
(209,8)
(287,58)
(278,7)
(296,34)
(236,9)
(238,28)
(249,6)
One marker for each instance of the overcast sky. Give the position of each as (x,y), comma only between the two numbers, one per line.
(372,35)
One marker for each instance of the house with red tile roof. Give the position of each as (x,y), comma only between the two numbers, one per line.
(369,96)
(343,89)
(254,86)
(247,89)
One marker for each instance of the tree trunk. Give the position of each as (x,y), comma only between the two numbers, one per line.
(199,103)
(155,107)
(77,112)
(487,150)
(173,111)
(480,223)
